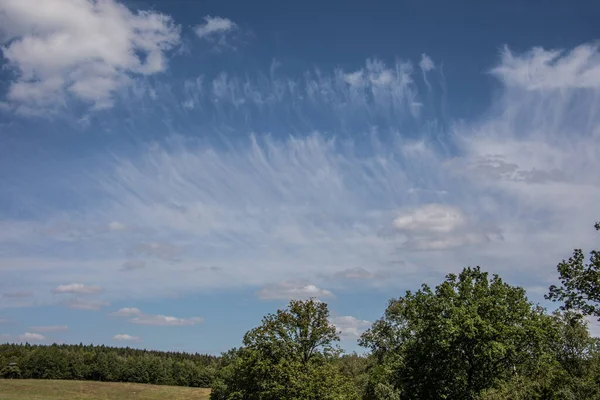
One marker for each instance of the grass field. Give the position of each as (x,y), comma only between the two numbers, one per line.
(21,389)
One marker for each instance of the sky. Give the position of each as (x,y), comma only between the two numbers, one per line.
(171,171)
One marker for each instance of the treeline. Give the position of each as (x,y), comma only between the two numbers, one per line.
(109,364)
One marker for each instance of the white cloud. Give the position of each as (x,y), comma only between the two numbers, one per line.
(165,320)
(125,337)
(291,290)
(285,207)
(127,312)
(426,64)
(434,218)
(77,288)
(439,227)
(214,26)
(541,69)
(82,49)
(350,327)
(32,337)
(49,328)
(80,304)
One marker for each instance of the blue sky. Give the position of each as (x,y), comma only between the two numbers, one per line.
(170,171)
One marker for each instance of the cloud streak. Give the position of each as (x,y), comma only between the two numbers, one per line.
(322,176)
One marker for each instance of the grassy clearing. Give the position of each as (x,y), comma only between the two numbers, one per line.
(20,389)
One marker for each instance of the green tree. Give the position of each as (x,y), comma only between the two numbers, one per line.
(457,340)
(11,372)
(580,283)
(289,356)
(571,375)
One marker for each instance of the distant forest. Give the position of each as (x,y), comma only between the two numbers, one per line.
(109,364)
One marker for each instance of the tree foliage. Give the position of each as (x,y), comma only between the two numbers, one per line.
(580,283)
(289,356)
(455,341)
(110,364)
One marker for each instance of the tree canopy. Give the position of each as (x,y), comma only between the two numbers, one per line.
(454,341)
(580,283)
(289,356)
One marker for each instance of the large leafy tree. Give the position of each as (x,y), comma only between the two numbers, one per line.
(289,356)
(580,283)
(572,374)
(455,341)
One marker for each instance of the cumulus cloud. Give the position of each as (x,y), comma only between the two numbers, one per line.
(214,26)
(431,218)
(49,328)
(350,327)
(85,50)
(127,312)
(77,288)
(438,227)
(32,337)
(127,338)
(292,290)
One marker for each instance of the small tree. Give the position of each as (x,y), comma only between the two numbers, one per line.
(11,371)
(580,283)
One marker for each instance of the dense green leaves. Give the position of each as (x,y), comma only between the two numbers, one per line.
(580,283)
(289,356)
(100,363)
(456,340)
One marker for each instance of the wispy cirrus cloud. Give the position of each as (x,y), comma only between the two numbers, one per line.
(77,288)
(311,200)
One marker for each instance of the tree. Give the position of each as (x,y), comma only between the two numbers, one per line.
(456,341)
(580,283)
(11,372)
(573,373)
(289,356)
